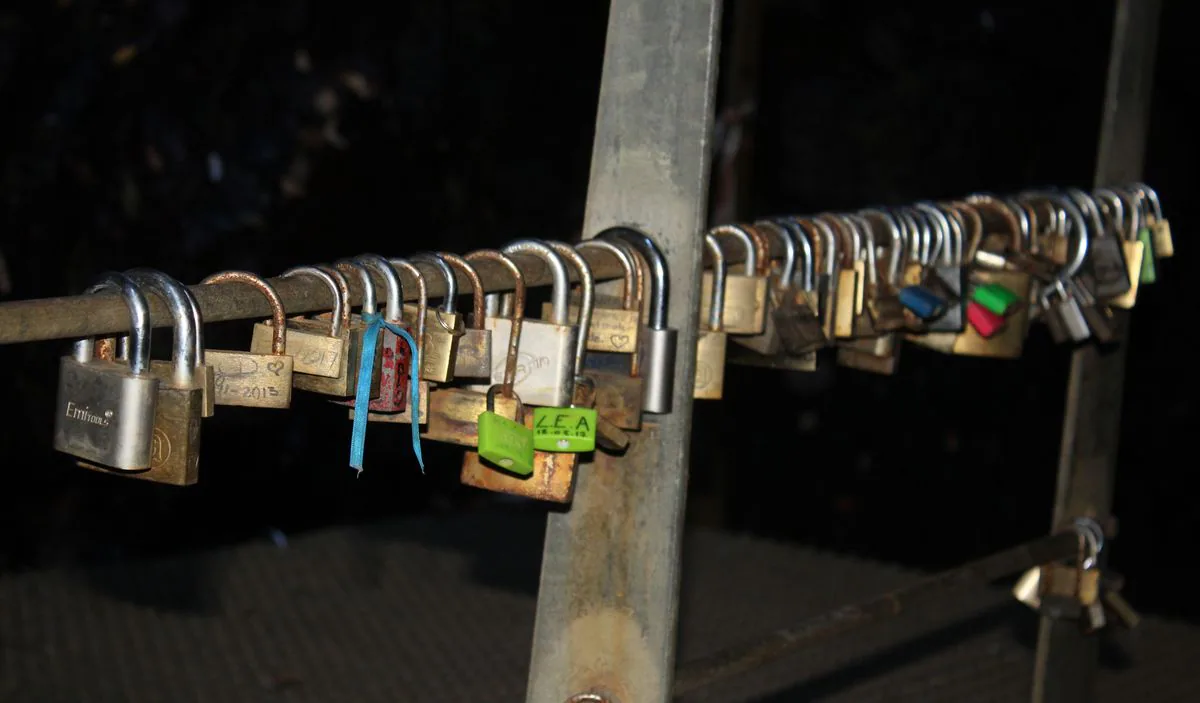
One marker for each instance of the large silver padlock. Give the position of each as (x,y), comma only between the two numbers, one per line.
(656,348)
(105,409)
(546,357)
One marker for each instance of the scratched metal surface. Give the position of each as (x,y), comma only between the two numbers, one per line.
(441,609)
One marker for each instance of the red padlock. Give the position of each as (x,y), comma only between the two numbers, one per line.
(984,321)
(395,356)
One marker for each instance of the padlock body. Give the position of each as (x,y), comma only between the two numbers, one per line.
(612,329)
(1105,265)
(994,298)
(105,413)
(473,357)
(1134,252)
(1009,342)
(552,480)
(986,323)
(946,282)
(564,429)
(922,302)
(619,396)
(800,330)
(545,360)
(405,417)
(1070,315)
(1164,243)
(204,378)
(506,443)
(865,361)
(314,353)
(442,333)
(345,383)
(251,380)
(745,302)
(710,366)
(454,415)
(1148,272)
(844,309)
(657,357)
(394,362)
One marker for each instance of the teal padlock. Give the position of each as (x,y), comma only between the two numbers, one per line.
(505,443)
(995,298)
(1149,270)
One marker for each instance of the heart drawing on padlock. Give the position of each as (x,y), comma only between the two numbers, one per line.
(275,367)
(619,340)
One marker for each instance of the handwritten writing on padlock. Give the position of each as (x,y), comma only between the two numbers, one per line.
(526,364)
(564,429)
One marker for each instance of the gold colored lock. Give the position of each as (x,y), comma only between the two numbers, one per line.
(617,375)
(443,327)
(1133,247)
(745,292)
(710,345)
(250,379)
(324,350)
(473,356)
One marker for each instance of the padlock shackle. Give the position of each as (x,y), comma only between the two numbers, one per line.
(660,278)
(1152,196)
(468,271)
(1080,231)
(587,299)
(742,236)
(896,248)
(804,244)
(829,243)
(1112,206)
(788,271)
(1088,206)
(508,392)
(1026,218)
(365,282)
(630,290)
(518,314)
(449,300)
(912,235)
(848,245)
(278,315)
(941,227)
(716,307)
(422,304)
(954,245)
(560,282)
(183,341)
(393,305)
(139,322)
(862,229)
(968,243)
(339,317)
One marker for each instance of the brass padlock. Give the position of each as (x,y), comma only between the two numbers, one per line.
(417,322)
(620,387)
(250,379)
(204,374)
(1128,236)
(105,409)
(745,292)
(443,326)
(613,329)
(849,286)
(1160,228)
(175,448)
(779,288)
(710,345)
(358,324)
(1104,266)
(805,334)
(828,255)
(473,356)
(324,353)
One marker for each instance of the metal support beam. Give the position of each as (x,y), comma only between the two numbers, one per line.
(608,602)
(1066,660)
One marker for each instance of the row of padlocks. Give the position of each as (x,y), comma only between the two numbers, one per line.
(527,396)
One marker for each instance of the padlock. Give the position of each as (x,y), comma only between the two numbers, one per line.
(246,378)
(826,281)
(204,374)
(1139,235)
(175,448)
(454,412)
(1097,315)
(946,275)
(545,364)
(443,325)
(571,429)
(849,285)
(710,345)
(1105,265)
(1063,315)
(803,334)
(986,323)
(417,323)
(105,409)
(921,302)
(324,351)
(657,344)
(1160,228)
(473,357)
(995,298)
(887,313)
(393,365)
(779,298)
(505,443)
(617,375)
(614,329)
(745,292)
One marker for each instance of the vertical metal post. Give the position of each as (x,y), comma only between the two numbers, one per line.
(609,594)
(1066,660)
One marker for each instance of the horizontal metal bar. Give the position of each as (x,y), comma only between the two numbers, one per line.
(749,656)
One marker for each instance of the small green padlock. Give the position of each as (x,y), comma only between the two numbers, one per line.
(570,429)
(1149,270)
(503,442)
(995,298)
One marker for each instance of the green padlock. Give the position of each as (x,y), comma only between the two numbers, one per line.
(503,442)
(1149,270)
(995,298)
(570,429)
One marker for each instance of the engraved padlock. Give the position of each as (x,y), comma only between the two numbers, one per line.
(658,341)
(247,378)
(443,325)
(324,352)
(710,344)
(473,356)
(105,409)
(358,322)
(780,295)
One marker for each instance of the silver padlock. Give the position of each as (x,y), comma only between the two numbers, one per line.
(658,342)
(946,277)
(1064,316)
(546,356)
(105,409)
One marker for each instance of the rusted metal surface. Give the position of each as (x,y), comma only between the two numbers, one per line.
(609,596)
(751,655)
(1065,668)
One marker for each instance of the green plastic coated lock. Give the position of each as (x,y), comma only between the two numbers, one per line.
(503,442)
(564,429)
(994,298)
(1149,270)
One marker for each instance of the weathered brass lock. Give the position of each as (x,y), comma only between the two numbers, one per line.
(416,322)
(473,357)
(1133,247)
(325,352)
(454,412)
(250,379)
(620,388)
(710,345)
(105,409)
(358,324)
(805,333)
(175,448)
(745,292)
(443,326)
(780,298)
(827,253)
(1160,228)
(1105,266)
(614,329)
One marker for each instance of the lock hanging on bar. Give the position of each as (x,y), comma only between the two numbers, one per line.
(473,356)
(326,351)
(247,378)
(443,326)
(710,345)
(394,357)
(419,317)
(745,292)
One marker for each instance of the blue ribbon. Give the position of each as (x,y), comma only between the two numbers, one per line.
(362,395)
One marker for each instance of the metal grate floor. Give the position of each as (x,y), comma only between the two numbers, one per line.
(441,609)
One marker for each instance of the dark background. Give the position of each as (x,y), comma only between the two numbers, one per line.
(195,137)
